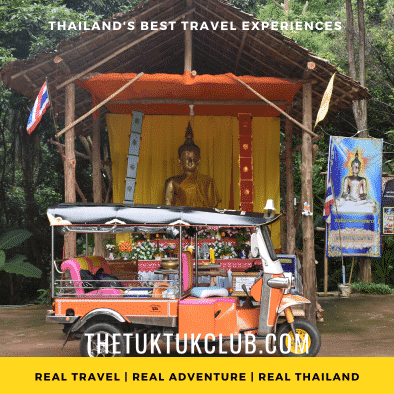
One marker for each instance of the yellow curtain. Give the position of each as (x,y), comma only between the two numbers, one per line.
(217,138)
(161,138)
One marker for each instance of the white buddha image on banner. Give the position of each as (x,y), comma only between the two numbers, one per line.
(354,193)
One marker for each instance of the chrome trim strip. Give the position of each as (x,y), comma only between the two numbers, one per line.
(164,321)
(61,319)
(264,329)
(97,312)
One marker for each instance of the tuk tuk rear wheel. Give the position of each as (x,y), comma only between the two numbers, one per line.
(101,333)
(308,334)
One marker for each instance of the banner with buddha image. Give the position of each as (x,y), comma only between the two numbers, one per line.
(355,180)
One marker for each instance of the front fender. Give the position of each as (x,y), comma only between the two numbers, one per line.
(291,300)
(98,312)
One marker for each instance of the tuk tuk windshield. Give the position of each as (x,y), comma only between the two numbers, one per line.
(267,239)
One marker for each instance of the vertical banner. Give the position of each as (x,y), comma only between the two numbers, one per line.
(388,209)
(355,176)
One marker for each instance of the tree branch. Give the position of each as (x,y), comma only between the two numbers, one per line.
(279,5)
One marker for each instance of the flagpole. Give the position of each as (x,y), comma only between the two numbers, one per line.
(339,225)
(50,104)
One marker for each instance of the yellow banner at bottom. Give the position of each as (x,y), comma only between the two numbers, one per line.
(228,374)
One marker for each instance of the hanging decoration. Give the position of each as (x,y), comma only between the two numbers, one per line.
(245,162)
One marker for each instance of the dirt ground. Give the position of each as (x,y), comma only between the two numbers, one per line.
(360,326)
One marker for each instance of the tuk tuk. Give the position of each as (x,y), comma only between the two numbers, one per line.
(114,319)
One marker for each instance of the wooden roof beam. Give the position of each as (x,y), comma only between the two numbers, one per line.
(119,51)
(315,75)
(235,38)
(147,52)
(241,48)
(216,58)
(168,58)
(270,48)
(220,55)
(31,82)
(311,133)
(196,102)
(99,105)
(99,37)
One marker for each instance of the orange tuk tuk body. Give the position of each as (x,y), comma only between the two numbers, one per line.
(112,320)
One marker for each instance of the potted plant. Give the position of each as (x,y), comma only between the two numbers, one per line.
(227,251)
(143,251)
(111,249)
(158,253)
(125,248)
(170,249)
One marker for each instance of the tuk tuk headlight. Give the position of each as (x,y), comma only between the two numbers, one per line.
(280,282)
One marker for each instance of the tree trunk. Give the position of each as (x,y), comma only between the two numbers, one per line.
(359,107)
(365,262)
(11,290)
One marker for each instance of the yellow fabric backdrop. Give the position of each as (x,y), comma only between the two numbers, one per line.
(217,138)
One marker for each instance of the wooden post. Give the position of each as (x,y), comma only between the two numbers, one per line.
(290,228)
(325,245)
(96,172)
(325,263)
(188,42)
(105,101)
(70,239)
(188,50)
(309,268)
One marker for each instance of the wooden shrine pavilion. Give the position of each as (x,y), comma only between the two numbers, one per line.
(232,85)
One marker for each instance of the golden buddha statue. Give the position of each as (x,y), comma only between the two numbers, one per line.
(191,188)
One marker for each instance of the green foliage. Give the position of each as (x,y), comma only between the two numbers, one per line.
(81,245)
(2,259)
(382,267)
(246,5)
(18,265)
(103,8)
(43,298)
(14,238)
(31,170)
(26,28)
(371,288)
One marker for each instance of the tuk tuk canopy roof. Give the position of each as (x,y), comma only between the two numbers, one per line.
(114,217)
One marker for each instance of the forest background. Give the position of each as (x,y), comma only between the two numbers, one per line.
(31,169)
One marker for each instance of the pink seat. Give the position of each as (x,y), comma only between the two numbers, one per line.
(187,271)
(207,301)
(75,265)
(107,292)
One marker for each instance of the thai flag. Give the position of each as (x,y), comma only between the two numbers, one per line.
(327,204)
(39,108)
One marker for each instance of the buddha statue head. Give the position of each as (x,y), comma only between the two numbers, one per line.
(355,165)
(189,153)
(190,188)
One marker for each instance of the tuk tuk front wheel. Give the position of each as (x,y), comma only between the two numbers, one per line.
(106,340)
(308,339)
